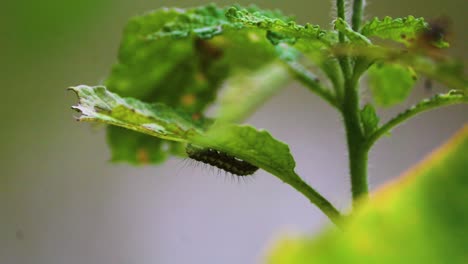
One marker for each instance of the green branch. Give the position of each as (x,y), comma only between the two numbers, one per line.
(358,7)
(450,98)
(317,199)
(312,82)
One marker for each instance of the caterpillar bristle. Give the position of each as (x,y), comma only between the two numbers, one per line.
(221,160)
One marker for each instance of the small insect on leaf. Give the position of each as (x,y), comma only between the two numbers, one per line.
(221,160)
(436,34)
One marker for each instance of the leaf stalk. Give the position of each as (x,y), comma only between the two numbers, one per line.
(317,199)
(312,82)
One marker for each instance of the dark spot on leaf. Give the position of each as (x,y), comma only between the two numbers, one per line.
(428,85)
(142,156)
(207,49)
(188,99)
(196,116)
(438,29)
(208,53)
(436,34)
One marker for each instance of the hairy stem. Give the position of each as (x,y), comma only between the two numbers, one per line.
(355,139)
(425,105)
(340,9)
(356,19)
(314,197)
(344,61)
(311,81)
(350,111)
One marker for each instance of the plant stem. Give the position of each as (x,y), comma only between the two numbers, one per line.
(356,140)
(314,197)
(358,6)
(344,61)
(358,169)
(340,9)
(351,113)
(312,82)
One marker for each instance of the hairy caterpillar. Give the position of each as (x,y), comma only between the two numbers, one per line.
(221,160)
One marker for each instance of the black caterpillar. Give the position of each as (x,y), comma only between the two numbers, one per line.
(221,160)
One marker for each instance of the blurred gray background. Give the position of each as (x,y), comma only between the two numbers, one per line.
(62,202)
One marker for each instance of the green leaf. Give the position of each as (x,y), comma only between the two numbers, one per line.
(390,83)
(290,31)
(310,40)
(369,119)
(259,148)
(181,58)
(420,218)
(403,30)
(245,93)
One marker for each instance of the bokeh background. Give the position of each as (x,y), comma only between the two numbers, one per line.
(61,201)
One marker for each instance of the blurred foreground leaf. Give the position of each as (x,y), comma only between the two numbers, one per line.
(181,57)
(170,54)
(244,94)
(420,218)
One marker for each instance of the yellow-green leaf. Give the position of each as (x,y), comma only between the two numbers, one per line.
(402,30)
(420,218)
